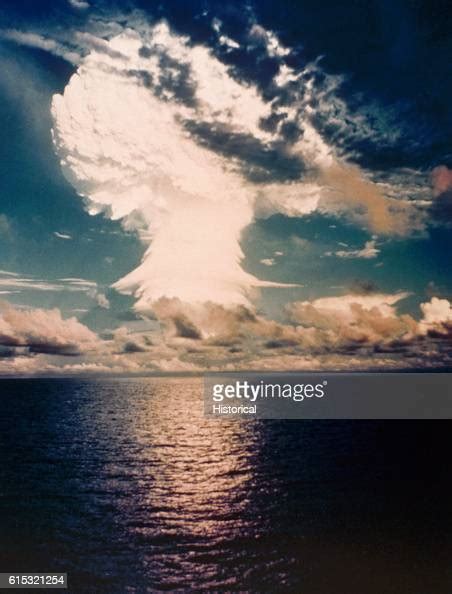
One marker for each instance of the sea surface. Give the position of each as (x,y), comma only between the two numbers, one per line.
(124,485)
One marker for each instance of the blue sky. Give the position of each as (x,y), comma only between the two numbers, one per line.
(314,149)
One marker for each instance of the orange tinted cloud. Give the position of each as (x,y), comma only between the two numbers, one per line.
(441,179)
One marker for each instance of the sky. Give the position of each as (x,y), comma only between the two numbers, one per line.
(192,186)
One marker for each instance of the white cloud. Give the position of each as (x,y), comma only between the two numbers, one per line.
(43,331)
(188,202)
(267,261)
(367,252)
(13,281)
(62,235)
(102,301)
(223,39)
(28,284)
(79,4)
(228,42)
(437,311)
(39,41)
(191,202)
(344,332)
(78,282)
(153,174)
(269,40)
(344,304)
(437,316)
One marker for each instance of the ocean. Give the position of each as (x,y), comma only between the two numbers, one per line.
(124,485)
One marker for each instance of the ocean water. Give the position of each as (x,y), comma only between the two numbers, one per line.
(124,485)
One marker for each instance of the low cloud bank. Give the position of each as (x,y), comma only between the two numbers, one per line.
(43,331)
(352,331)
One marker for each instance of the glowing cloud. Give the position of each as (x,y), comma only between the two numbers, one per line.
(125,149)
(146,132)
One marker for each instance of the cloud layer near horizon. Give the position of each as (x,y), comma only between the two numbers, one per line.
(42,331)
(345,332)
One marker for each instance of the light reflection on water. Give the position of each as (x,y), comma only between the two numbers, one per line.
(198,474)
(125,485)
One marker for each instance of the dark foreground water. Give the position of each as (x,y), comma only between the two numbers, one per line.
(124,485)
